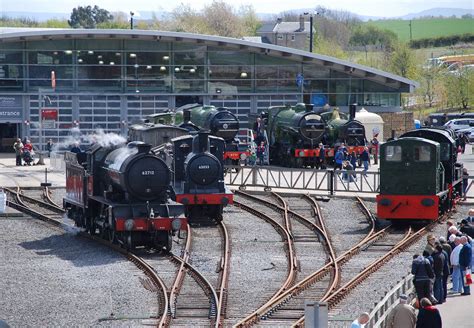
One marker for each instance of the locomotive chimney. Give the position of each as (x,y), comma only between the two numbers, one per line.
(186,116)
(309,107)
(352,112)
(143,148)
(201,142)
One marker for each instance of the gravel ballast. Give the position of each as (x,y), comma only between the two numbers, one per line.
(49,278)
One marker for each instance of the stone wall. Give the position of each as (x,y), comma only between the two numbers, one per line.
(400,122)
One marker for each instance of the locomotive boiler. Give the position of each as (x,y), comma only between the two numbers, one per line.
(122,193)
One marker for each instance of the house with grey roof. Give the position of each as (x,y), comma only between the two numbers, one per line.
(286,34)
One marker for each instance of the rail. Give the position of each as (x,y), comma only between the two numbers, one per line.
(155,281)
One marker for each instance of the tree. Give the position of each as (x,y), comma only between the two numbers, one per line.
(403,61)
(249,20)
(365,35)
(88,17)
(221,19)
(431,88)
(460,88)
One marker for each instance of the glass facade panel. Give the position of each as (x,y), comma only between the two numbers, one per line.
(11,69)
(148,71)
(189,71)
(42,63)
(98,69)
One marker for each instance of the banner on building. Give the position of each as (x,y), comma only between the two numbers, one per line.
(49,116)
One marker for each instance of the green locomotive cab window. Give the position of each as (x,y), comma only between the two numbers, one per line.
(422,153)
(393,154)
(445,151)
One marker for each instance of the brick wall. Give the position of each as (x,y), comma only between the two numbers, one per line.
(400,122)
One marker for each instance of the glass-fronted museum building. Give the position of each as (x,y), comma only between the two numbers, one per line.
(108,79)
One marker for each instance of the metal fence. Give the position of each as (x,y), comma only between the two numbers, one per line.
(381,310)
(272,177)
(321,181)
(330,181)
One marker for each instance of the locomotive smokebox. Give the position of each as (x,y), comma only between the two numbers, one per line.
(352,112)
(309,107)
(201,142)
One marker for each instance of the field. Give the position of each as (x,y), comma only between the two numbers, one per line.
(426,28)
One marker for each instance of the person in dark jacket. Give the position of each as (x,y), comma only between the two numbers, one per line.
(466,228)
(320,164)
(353,159)
(428,315)
(365,158)
(422,271)
(447,264)
(465,258)
(439,261)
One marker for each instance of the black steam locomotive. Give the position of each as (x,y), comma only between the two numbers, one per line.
(198,166)
(122,193)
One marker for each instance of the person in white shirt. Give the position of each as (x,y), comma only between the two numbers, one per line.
(457,277)
(361,320)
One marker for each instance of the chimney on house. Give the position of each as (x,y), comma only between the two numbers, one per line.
(279,20)
(301,23)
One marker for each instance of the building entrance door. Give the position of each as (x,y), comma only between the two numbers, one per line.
(9,132)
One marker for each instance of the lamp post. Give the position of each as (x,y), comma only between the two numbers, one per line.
(131,19)
(310,31)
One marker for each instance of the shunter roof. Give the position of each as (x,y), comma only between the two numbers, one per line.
(355,70)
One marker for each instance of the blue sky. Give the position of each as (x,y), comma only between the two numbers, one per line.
(362,7)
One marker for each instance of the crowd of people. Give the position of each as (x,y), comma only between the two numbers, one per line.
(444,258)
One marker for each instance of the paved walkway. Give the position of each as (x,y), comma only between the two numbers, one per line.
(28,176)
(458,311)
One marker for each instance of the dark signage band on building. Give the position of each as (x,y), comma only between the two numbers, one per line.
(10,108)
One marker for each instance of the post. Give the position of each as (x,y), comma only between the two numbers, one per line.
(311,33)
(316,314)
(131,19)
(411,37)
(45,183)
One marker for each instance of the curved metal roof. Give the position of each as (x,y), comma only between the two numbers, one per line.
(356,70)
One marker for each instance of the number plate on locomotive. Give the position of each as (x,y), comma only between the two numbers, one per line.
(148,172)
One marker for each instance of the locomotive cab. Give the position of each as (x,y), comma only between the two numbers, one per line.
(411,180)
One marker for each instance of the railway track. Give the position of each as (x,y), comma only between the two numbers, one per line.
(389,248)
(187,306)
(52,215)
(285,307)
(304,233)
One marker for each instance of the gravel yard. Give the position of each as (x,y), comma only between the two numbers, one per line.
(50,278)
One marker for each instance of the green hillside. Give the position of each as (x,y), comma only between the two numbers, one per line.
(426,28)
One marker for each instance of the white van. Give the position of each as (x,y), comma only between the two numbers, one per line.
(459,123)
